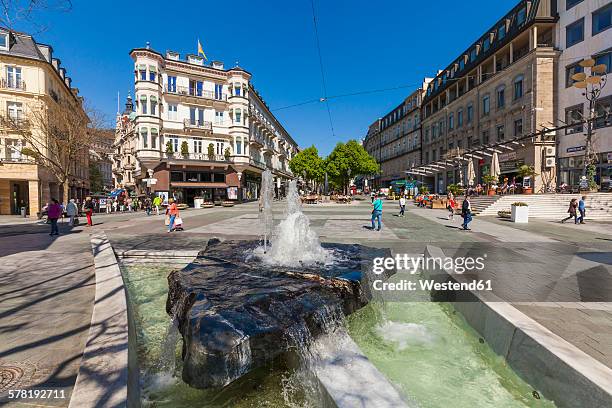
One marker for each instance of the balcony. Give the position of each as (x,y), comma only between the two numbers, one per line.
(17,159)
(198,124)
(257,141)
(12,84)
(198,157)
(256,163)
(195,92)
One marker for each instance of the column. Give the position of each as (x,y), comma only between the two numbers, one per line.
(34,198)
(511,52)
(494,64)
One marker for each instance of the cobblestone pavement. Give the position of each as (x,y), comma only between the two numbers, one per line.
(47,285)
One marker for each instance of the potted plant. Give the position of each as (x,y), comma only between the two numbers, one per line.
(520,212)
(169,149)
(185,148)
(527,171)
(504,214)
(454,188)
(211,151)
(489,180)
(227,153)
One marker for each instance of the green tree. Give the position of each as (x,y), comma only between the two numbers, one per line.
(349,160)
(96,183)
(211,151)
(308,164)
(184,148)
(169,148)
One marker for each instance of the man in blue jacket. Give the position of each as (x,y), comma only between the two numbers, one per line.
(582,209)
(377,211)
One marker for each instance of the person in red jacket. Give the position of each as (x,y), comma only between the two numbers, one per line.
(88,207)
(173,212)
(54,212)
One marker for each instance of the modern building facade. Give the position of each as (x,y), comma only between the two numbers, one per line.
(395,140)
(584,30)
(198,131)
(501,88)
(32,79)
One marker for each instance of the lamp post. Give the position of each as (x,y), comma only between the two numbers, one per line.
(591,84)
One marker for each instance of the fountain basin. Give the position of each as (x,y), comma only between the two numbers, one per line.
(236,315)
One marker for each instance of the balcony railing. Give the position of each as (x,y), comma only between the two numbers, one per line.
(16,159)
(257,163)
(198,156)
(198,124)
(12,84)
(198,93)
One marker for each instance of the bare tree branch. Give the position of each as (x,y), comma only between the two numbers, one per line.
(17,12)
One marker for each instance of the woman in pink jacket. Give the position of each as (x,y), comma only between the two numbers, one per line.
(54,212)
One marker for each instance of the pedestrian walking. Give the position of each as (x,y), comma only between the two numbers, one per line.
(402,204)
(582,209)
(109,203)
(452,204)
(172,213)
(54,212)
(377,205)
(573,206)
(157,202)
(88,207)
(147,204)
(466,213)
(115,204)
(72,211)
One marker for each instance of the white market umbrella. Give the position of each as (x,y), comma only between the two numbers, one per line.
(471,175)
(495,171)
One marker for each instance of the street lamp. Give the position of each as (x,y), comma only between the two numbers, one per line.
(591,84)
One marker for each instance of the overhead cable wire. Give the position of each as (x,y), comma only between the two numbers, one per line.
(316,31)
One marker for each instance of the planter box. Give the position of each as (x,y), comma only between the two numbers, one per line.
(520,214)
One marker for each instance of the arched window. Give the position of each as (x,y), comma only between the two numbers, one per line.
(518,87)
(154,136)
(153,100)
(143,104)
(144,137)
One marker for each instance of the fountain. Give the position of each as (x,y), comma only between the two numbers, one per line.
(242,305)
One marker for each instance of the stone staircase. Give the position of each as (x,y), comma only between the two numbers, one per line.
(480,203)
(548,206)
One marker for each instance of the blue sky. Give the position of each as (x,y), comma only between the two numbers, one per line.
(365,45)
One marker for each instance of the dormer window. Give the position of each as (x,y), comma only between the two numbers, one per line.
(501,32)
(521,16)
(473,54)
(4,41)
(486,44)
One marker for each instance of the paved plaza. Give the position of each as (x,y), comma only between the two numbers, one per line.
(47,285)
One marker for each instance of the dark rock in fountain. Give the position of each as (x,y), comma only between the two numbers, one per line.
(237,314)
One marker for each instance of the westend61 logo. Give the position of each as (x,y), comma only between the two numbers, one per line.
(413,264)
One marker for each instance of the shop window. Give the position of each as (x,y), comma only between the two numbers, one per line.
(573,114)
(574,33)
(570,70)
(192,177)
(603,112)
(206,177)
(219,178)
(176,176)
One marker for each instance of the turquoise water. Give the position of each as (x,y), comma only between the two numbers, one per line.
(275,387)
(436,358)
(424,348)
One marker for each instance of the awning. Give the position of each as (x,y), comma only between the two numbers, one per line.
(185,184)
(116,192)
(142,67)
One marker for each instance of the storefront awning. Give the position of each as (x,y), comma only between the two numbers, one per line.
(184,184)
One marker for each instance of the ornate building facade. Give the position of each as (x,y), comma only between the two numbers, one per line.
(197,131)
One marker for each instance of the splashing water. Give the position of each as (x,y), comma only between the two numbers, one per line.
(295,243)
(265,216)
(405,334)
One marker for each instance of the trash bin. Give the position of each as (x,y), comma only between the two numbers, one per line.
(23,212)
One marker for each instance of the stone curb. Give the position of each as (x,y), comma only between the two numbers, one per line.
(102,380)
(561,371)
(137,253)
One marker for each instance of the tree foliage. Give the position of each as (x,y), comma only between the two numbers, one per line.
(57,136)
(308,164)
(96,183)
(349,160)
